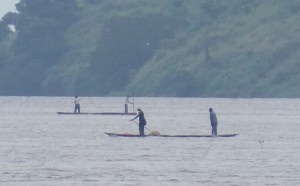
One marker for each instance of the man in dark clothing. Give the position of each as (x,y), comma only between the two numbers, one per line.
(213,122)
(142,121)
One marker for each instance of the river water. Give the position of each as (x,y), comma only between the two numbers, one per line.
(38,147)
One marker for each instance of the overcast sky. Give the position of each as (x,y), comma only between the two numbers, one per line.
(7,6)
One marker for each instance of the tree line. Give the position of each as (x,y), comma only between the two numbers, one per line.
(193,48)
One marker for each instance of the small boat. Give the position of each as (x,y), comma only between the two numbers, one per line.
(97,113)
(178,136)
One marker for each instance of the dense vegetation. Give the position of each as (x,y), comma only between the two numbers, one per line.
(190,48)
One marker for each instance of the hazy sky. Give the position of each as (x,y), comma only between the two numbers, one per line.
(7,6)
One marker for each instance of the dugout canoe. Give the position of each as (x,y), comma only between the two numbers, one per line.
(97,113)
(178,136)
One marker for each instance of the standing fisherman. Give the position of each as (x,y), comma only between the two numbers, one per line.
(142,121)
(126,104)
(77,104)
(213,122)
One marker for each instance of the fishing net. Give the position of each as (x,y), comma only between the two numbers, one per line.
(154,133)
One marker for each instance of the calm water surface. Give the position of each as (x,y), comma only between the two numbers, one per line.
(40,148)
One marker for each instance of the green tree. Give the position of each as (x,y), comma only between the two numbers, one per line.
(40,42)
(127,43)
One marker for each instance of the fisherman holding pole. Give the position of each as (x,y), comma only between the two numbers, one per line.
(126,104)
(142,121)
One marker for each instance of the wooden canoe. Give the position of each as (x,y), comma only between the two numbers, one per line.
(97,113)
(179,136)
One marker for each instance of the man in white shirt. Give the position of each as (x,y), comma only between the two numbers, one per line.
(77,104)
(126,104)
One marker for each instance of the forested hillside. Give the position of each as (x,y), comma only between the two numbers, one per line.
(184,48)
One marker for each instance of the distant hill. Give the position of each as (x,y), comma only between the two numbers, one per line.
(190,48)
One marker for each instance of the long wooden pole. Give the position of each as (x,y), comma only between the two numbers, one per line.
(133,101)
(144,126)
